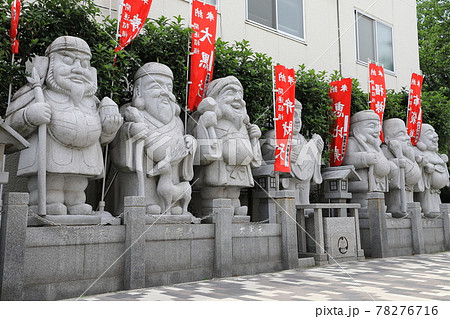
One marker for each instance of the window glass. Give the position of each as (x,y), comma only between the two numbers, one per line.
(282,15)
(261,11)
(290,17)
(385,52)
(366,36)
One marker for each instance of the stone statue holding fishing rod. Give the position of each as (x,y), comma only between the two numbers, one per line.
(66,124)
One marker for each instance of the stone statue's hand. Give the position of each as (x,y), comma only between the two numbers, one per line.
(38,113)
(209,119)
(396,148)
(189,140)
(371,158)
(444,157)
(402,162)
(254,131)
(139,129)
(319,141)
(421,160)
(429,168)
(112,123)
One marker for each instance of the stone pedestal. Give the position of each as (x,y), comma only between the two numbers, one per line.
(12,246)
(445,210)
(286,216)
(414,211)
(134,220)
(377,224)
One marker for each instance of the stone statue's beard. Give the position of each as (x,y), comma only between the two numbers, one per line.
(77,91)
(366,139)
(230,114)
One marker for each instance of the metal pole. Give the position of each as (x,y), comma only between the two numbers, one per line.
(277,174)
(187,74)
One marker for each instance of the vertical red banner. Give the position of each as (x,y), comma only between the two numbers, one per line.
(15,13)
(204,24)
(341,96)
(284,116)
(134,15)
(414,123)
(377,91)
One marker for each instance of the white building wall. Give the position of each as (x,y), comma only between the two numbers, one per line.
(320,49)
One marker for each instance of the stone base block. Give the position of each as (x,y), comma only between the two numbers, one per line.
(234,219)
(65,220)
(171,219)
(306,262)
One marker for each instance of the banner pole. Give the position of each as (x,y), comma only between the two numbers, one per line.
(187,72)
(277,174)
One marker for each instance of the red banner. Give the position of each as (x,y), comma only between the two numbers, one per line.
(134,15)
(414,124)
(204,24)
(377,92)
(341,95)
(15,13)
(284,116)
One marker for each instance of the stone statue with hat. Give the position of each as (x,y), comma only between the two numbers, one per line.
(365,154)
(306,158)
(405,175)
(228,144)
(434,171)
(60,98)
(151,152)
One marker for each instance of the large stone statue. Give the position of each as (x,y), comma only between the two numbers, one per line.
(306,157)
(406,174)
(434,171)
(77,126)
(365,154)
(151,152)
(228,144)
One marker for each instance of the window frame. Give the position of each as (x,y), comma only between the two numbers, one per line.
(276,30)
(375,21)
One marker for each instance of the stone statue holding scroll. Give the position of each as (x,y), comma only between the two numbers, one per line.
(153,155)
(61,95)
(228,144)
(406,174)
(365,154)
(306,158)
(434,171)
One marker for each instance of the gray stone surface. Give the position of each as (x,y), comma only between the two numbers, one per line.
(287,216)
(153,154)
(65,124)
(445,210)
(340,238)
(416,228)
(12,246)
(228,144)
(365,154)
(134,220)
(377,225)
(434,171)
(223,256)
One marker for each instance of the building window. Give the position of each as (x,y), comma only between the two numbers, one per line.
(333,185)
(262,183)
(273,185)
(282,15)
(213,2)
(343,185)
(374,41)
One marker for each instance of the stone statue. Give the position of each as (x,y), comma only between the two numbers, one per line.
(434,171)
(153,155)
(365,154)
(306,157)
(406,174)
(228,144)
(77,125)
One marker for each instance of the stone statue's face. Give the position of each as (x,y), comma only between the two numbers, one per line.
(397,133)
(370,130)
(231,101)
(156,90)
(430,138)
(73,69)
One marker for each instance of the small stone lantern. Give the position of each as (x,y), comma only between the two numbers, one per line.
(335,181)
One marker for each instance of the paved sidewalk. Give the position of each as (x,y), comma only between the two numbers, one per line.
(420,277)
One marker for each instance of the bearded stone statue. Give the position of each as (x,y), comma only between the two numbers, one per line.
(77,125)
(405,176)
(434,171)
(365,154)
